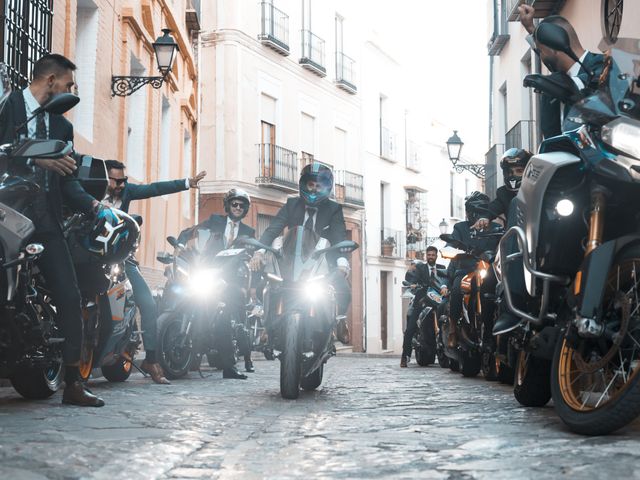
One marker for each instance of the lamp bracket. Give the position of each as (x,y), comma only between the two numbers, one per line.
(123,86)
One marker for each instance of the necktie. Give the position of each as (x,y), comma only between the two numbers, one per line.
(232,235)
(308,225)
(433,272)
(41,127)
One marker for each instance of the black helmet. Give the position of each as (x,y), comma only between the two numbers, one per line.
(111,237)
(236,194)
(321,174)
(476,205)
(514,157)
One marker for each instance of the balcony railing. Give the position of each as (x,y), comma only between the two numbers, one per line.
(277,166)
(275,28)
(350,188)
(193,14)
(500,35)
(543,8)
(392,243)
(345,74)
(414,158)
(388,144)
(492,158)
(522,135)
(313,53)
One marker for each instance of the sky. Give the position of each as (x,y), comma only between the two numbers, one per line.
(443,46)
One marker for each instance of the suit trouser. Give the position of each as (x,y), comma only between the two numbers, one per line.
(144,300)
(60,276)
(342,289)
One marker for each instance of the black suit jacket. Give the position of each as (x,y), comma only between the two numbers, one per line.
(216,224)
(422,274)
(66,188)
(550,123)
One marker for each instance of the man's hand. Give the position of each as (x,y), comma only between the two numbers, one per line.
(256,262)
(526,17)
(193,181)
(444,291)
(62,166)
(481,224)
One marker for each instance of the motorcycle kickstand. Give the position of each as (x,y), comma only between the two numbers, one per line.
(144,374)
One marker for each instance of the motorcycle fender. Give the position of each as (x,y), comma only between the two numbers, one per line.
(591,279)
(543,343)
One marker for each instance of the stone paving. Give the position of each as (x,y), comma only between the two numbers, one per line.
(370,419)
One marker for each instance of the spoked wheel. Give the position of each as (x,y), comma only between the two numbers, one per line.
(37,383)
(595,381)
(291,359)
(176,347)
(531,385)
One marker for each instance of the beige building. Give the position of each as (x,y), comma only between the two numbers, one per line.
(514,109)
(153,131)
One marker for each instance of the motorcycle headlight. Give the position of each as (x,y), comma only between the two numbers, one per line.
(483,272)
(622,134)
(203,283)
(315,289)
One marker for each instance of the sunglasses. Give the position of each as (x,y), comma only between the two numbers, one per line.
(238,205)
(119,181)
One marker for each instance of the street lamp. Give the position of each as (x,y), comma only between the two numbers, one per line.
(454,147)
(443,226)
(165,48)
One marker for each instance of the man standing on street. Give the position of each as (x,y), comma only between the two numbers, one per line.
(120,194)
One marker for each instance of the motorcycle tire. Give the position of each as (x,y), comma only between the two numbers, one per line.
(505,374)
(37,383)
(424,357)
(313,381)
(291,359)
(490,367)
(531,384)
(454,366)
(174,359)
(470,364)
(118,372)
(443,360)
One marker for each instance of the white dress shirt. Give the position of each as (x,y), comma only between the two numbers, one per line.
(31,104)
(227,231)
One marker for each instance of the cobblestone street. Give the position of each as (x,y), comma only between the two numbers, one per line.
(369,420)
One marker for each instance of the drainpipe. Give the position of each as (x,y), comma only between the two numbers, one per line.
(199,119)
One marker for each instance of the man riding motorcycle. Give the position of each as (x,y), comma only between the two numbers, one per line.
(315,211)
(224,231)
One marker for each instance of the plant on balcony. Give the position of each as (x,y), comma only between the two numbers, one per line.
(388,244)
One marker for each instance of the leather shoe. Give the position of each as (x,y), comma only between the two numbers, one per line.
(248,366)
(403,362)
(342,331)
(76,394)
(155,370)
(233,373)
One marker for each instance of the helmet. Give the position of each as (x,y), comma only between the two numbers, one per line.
(475,205)
(514,157)
(112,236)
(321,174)
(236,194)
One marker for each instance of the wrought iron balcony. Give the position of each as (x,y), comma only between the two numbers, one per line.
(414,158)
(500,35)
(522,135)
(313,53)
(392,243)
(388,144)
(543,8)
(349,188)
(275,29)
(278,167)
(492,159)
(193,14)
(345,75)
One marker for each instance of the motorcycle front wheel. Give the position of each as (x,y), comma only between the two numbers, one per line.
(176,347)
(313,381)
(37,383)
(531,385)
(594,381)
(291,358)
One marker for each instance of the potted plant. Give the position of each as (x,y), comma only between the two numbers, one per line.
(388,244)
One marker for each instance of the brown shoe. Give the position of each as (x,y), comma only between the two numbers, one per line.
(403,362)
(342,331)
(155,370)
(77,394)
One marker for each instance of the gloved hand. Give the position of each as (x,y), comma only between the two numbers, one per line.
(256,262)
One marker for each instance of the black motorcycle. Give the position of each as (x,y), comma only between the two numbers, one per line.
(427,299)
(300,307)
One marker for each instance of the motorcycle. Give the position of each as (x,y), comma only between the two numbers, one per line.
(466,355)
(300,307)
(424,340)
(200,292)
(580,329)
(30,340)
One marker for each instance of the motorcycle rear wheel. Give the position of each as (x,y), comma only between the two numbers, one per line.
(37,383)
(119,371)
(595,383)
(176,351)
(531,385)
(291,359)
(313,381)
(470,363)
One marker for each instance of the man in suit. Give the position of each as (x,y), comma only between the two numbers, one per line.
(422,274)
(120,194)
(53,74)
(314,210)
(224,229)
(551,113)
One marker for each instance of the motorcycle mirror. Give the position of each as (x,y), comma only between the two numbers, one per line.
(58,104)
(164,258)
(557,38)
(173,241)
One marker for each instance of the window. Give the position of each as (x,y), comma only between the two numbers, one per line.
(136,120)
(186,172)
(165,140)
(26,36)
(86,52)
(416,221)
(340,149)
(267,149)
(307,140)
(263,223)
